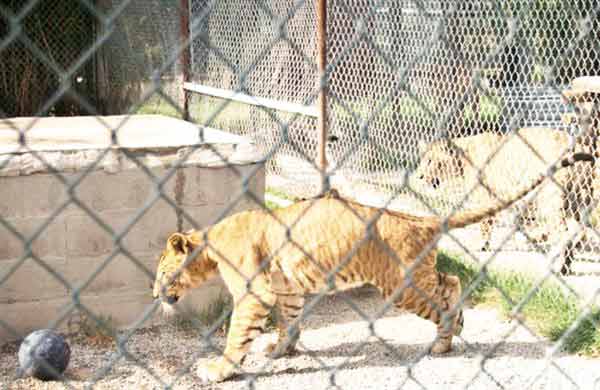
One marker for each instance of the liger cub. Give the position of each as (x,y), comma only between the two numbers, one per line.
(332,244)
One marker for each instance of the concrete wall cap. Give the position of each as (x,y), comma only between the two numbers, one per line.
(73,143)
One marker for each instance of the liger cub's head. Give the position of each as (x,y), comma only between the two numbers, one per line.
(439,161)
(176,273)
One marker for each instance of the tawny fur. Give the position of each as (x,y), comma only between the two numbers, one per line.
(263,266)
(508,162)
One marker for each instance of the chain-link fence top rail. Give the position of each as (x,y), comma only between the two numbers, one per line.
(398,73)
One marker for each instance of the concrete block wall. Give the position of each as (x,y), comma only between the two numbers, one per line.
(74,245)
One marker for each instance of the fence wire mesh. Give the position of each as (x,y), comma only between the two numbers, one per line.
(435,107)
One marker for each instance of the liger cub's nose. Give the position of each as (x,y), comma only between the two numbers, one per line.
(172,299)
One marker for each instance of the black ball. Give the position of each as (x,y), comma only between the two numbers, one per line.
(44,346)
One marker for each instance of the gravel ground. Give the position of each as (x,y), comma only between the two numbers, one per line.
(336,336)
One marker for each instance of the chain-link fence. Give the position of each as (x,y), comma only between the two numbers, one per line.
(448,111)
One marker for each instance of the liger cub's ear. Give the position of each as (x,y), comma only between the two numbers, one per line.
(178,242)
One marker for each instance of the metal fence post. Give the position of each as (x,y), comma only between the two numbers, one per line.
(185,55)
(322,101)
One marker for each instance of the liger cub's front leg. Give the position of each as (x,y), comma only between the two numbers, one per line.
(247,322)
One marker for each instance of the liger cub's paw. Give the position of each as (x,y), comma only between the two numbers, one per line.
(442,345)
(279,350)
(216,370)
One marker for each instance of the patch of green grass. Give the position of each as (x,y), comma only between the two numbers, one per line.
(279,193)
(547,308)
(467,273)
(158,106)
(272,205)
(233,116)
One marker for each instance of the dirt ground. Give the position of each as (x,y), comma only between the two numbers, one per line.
(337,350)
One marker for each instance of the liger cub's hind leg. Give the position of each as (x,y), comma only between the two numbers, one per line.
(451,320)
(290,303)
(288,331)
(437,305)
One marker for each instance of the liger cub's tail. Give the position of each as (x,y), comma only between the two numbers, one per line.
(464,218)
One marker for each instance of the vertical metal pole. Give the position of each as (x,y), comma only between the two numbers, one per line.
(102,83)
(184,41)
(322,100)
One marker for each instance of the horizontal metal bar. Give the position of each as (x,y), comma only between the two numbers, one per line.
(254,100)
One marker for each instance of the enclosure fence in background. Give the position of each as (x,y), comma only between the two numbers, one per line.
(434,108)
(401,75)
